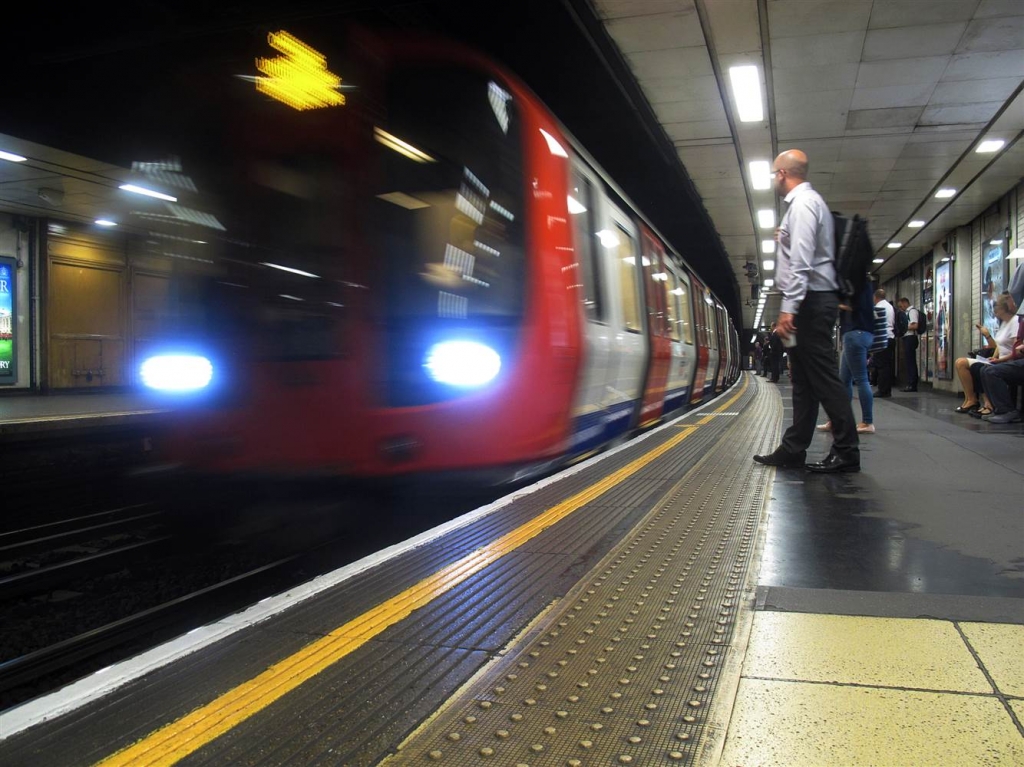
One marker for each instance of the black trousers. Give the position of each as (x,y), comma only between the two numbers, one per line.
(884,360)
(909,343)
(816,380)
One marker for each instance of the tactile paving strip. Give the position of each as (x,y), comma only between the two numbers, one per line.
(626,671)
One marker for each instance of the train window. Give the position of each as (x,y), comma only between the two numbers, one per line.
(628,282)
(581,208)
(684,314)
(671,311)
(449,208)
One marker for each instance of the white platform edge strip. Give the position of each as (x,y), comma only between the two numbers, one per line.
(105,681)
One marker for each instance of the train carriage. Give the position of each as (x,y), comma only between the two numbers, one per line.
(476,296)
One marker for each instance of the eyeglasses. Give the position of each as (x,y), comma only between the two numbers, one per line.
(777,172)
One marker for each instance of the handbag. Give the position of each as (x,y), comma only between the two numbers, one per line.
(985,352)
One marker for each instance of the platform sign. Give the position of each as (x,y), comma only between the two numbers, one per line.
(8,353)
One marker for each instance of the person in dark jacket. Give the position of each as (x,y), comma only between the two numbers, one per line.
(857,326)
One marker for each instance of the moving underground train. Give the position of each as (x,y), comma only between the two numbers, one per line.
(432,277)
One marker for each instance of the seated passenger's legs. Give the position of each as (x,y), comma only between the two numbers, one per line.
(997,380)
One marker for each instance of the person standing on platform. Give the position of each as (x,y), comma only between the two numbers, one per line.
(857,325)
(774,354)
(883,358)
(909,343)
(806,275)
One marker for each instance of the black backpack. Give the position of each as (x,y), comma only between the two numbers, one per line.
(853,253)
(922,322)
(902,323)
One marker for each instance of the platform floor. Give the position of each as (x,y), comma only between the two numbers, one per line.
(703,610)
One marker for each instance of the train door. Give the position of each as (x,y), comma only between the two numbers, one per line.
(600,367)
(707,306)
(725,348)
(623,262)
(679,316)
(659,348)
(701,375)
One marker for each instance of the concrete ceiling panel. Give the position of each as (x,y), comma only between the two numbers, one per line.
(908,71)
(991,8)
(674,62)
(876,164)
(798,18)
(981,66)
(736,25)
(909,13)
(687,111)
(960,114)
(946,149)
(634,34)
(1000,34)
(867,147)
(617,9)
(883,118)
(699,129)
(912,42)
(803,81)
(971,91)
(892,96)
(668,89)
(709,157)
(817,50)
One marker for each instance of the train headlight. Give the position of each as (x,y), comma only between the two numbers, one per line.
(462,363)
(176,372)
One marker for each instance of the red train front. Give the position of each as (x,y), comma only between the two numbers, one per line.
(400,285)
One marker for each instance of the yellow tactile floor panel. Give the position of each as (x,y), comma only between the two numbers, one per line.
(889,652)
(1001,649)
(795,724)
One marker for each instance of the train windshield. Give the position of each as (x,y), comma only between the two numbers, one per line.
(449,205)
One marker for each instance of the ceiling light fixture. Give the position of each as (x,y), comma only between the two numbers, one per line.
(917,224)
(761,174)
(767,246)
(10,157)
(944,193)
(766,218)
(894,245)
(878,261)
(991,145)
(768,265)
(746,90)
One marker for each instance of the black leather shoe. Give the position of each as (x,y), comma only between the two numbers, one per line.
(783,459)
(909,388)
(833,464)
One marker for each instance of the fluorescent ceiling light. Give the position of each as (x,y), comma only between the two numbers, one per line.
(992,145)
(917,224)
(761,174)
(289,269)
(746,89)
(104,222)
(766,218)
(768,265)
(147,192)
(769,283)
(12,157)
(878,261)
(894,245)
(995,242)
(944,193)
(767,246)
(291,298)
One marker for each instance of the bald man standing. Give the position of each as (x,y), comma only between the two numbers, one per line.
(806,275)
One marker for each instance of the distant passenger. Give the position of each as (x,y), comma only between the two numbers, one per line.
(857,327)
(968,370)
(909,343)
(883,359)
(997,377)
(774,354)
(806,275)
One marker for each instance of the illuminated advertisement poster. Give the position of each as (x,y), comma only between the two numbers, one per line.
(943,304)
(992,284)
(7,350)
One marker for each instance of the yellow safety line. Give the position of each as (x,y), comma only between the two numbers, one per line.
(184,736)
